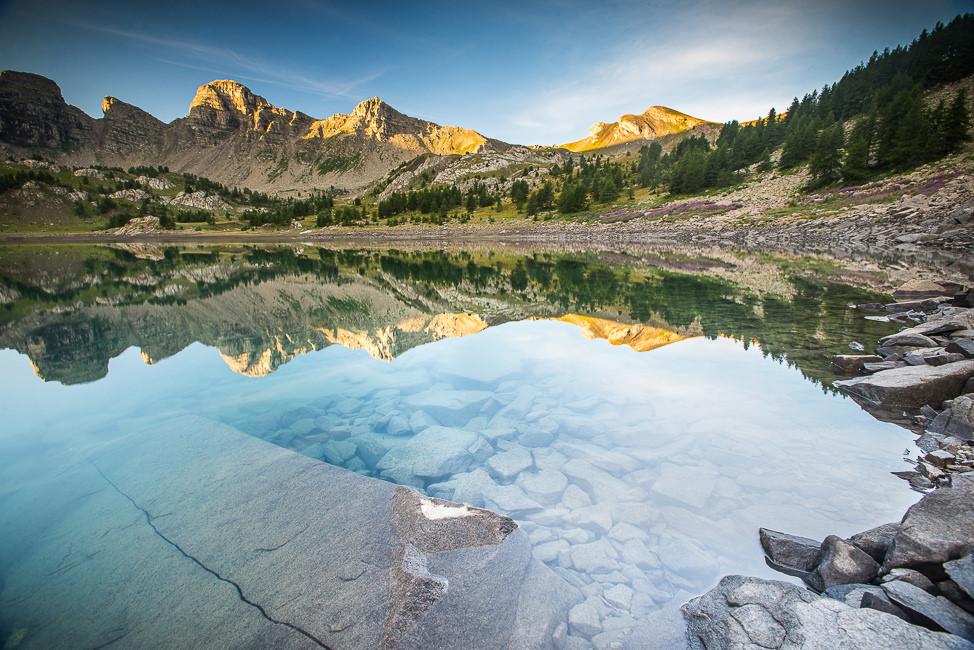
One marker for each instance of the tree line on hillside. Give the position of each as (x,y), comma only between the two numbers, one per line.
(884,98)
(437,200)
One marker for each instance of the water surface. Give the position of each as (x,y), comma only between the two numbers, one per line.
(639,416)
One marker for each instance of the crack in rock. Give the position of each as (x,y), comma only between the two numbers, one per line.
(240,594)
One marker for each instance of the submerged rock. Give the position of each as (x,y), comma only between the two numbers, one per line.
(435,452)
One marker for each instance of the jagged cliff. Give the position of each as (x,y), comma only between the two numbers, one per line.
(230,134)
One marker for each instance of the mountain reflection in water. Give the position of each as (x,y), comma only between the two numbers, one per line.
(71,309)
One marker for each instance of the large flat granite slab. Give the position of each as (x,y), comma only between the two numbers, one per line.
(188,533)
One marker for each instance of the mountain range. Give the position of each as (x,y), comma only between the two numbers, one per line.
(239,138)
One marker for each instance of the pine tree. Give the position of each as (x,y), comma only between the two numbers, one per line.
(957,123)
(855,167)
(826,162)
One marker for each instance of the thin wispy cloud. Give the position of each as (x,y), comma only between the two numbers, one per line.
(237,64)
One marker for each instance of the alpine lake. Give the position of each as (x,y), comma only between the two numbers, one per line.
(639,415)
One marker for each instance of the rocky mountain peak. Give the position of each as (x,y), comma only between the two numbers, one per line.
(28,83)
(228,95)
(654,122)
(374,110)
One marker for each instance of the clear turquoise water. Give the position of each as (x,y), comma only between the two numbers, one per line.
(651,470)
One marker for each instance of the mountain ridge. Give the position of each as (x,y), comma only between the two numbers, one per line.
(229,134)
(653,123)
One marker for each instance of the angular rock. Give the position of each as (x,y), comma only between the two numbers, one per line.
(879,366)
(918,288)
(619,596)
(450,407)
(875,541)
(961,571)
(937,529)
(508,464)
(583,620)
(790,551)
(842,563)
(545,487)
(914,340)
(575,497)
(595,557)
(958,418)
(436,452)
(933,609)
(963,346)
(743,612)
(852,364)
(912,576)
(910,386)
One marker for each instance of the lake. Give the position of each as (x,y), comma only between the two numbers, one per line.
(639,415)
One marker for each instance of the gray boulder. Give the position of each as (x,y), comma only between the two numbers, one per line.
(962,572)
(958,419)
(911,576)
(875,541)
(792,552)
(909,386)
(937,529)
(852,364)
(906,338)
(841,563)
(931,609)
(743,612)
(963,346)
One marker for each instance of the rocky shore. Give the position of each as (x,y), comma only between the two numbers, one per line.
(903,584)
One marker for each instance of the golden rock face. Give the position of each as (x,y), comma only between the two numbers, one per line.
(377,120)
(641,338)
(654,122)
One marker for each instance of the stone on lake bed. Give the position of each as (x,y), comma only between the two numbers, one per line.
(686,559)
(910,386)
(594,557)
(548,551)
(337,452)
(450,407)
(508,464)
(435,452)
(545,486)
(575,497)
(511,500)
(583,620)
(624,531)
(398,425)
(684,484)
(619,596)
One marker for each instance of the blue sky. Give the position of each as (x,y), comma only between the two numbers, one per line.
(527,72)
